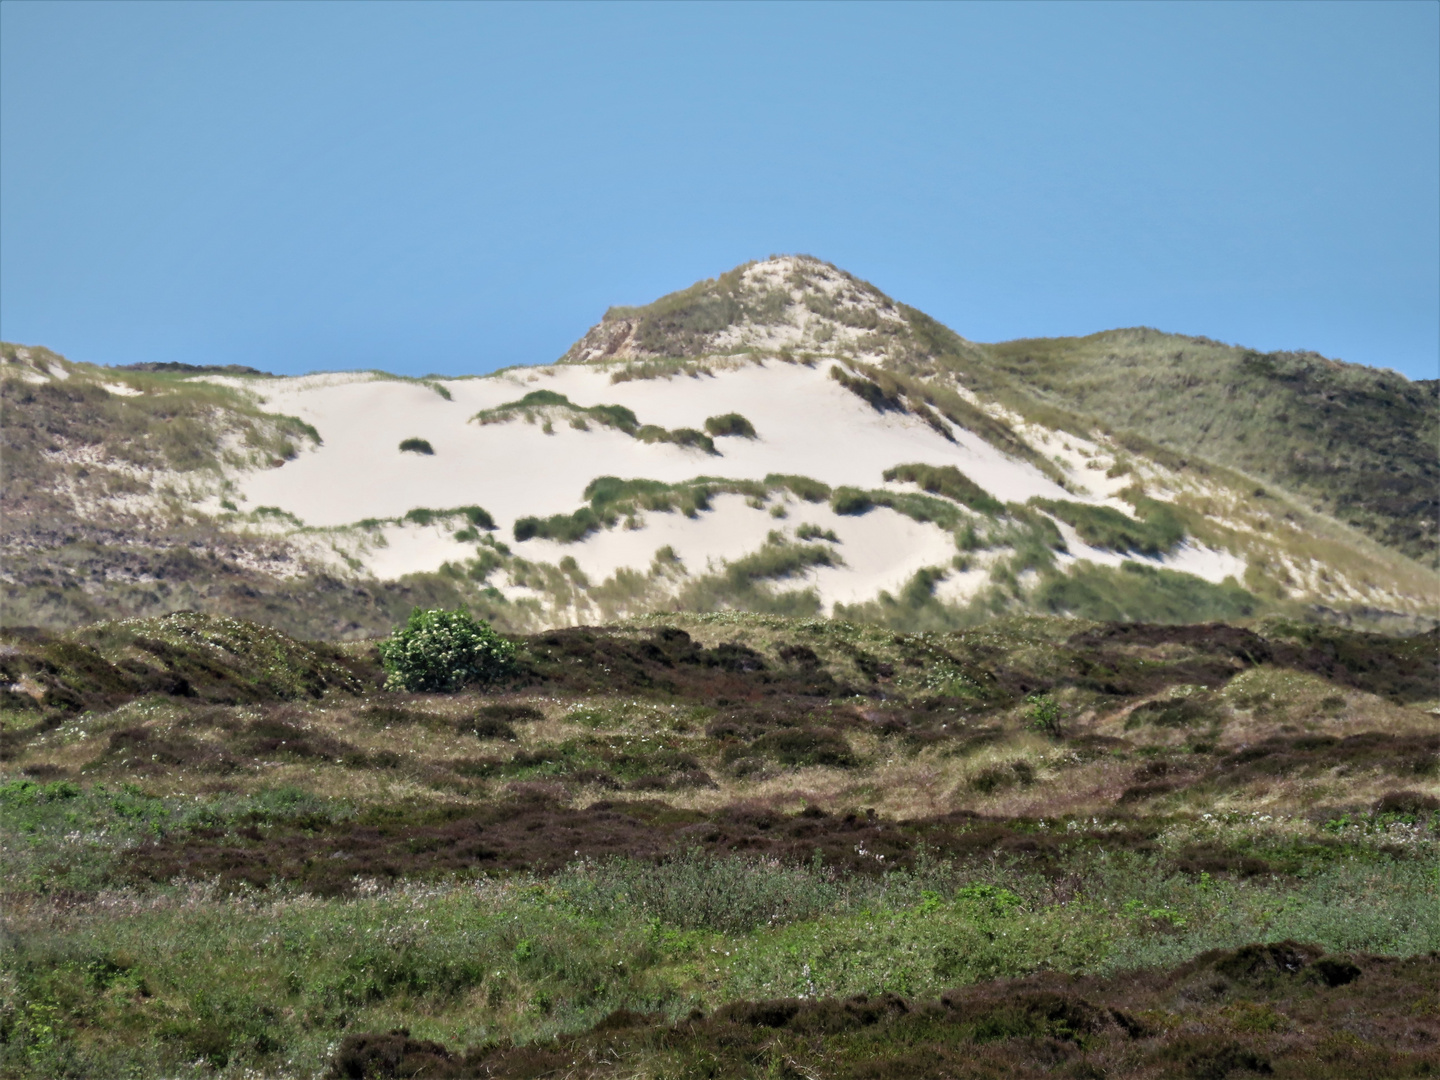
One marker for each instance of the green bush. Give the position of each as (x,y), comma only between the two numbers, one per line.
(479,517)
(444,650)
(1043,715)
(730,424)
(417,446)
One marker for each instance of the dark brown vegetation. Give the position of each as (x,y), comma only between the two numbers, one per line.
(1282,1009)
(533,832)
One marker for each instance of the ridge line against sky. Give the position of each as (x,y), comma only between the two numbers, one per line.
(458,188)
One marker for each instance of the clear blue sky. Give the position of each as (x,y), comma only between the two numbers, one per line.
(452,187)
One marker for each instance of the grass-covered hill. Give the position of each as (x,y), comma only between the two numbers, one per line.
(723,845)
(1362,444)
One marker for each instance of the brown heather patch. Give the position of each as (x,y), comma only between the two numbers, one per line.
(531,831)
(1281,1009)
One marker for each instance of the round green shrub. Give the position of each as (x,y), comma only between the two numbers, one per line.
(444,650)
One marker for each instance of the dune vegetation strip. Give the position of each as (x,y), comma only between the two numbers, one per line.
(613,500)
(545,406)
(1155,530)
(949,481)
(476,518)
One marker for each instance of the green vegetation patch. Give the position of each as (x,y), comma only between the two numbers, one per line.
(815,532)
(730,425)
(1134,591)
(949,481)
(1158,530)
(802,487)
(612,498)
(880,392)
(744,582)
(615,416)
(562,528)
(853,502)
(477,516)
(685,437)
(416,446)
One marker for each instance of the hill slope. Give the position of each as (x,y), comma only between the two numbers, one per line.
(785,438)
(1362,444)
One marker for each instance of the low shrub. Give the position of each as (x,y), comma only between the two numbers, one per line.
(444,650)
(563,528)
(730,424)
(851,502)
(416,446)
(1044,715)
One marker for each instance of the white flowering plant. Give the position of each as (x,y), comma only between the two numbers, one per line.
(440,650)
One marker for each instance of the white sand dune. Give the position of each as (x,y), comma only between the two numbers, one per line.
(808,425)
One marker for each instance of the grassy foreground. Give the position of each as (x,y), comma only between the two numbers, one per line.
(724,846)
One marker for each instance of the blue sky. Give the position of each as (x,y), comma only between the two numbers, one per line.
(455,188)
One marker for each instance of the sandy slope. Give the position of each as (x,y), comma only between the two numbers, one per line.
(879,550)
(808,425)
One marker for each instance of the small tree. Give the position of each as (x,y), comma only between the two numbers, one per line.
(444,650)
(1044,715)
